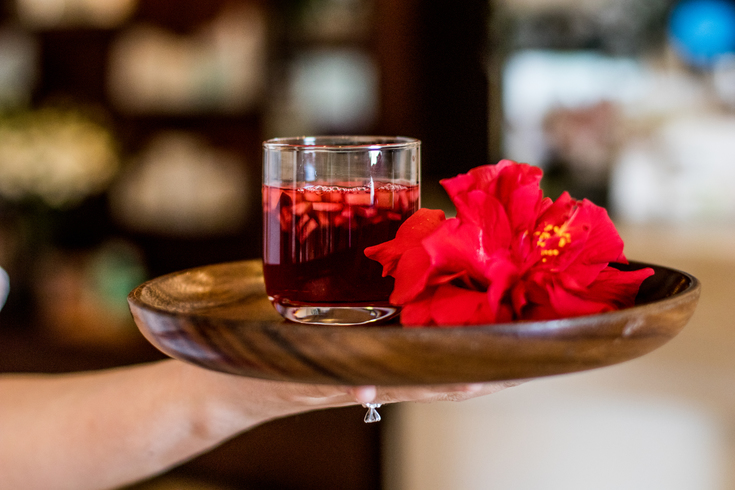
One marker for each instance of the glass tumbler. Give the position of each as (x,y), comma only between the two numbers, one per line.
(326,199)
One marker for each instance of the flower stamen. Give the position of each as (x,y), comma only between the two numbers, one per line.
(552,233)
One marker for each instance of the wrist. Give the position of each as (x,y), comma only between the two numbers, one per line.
(228,403)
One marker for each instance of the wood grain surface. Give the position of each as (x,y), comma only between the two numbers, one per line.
(220,318)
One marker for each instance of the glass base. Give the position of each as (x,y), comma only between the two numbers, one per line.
(335,315)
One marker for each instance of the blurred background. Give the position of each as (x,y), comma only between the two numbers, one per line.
(130,135)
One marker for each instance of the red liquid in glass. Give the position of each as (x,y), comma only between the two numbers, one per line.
(315,240)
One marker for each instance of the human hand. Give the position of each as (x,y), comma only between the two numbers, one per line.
(249,401)
(454,392)
(285,398)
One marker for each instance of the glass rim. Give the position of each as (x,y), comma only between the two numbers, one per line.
(342,143)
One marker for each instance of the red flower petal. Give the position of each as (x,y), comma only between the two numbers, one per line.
(560,210)
(619,288)
(579,240)
(515,186)
(502,274)
(456,247)
(494,222)
(518,190)
(451,305)
(418,312)
(409,235)
(565,303)
(602,244)
(613,289)
(410,275)
(459,185)
(503,314)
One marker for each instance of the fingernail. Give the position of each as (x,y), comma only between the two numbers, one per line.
(474,387)
(365,394)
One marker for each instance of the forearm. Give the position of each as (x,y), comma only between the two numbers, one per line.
(103,429)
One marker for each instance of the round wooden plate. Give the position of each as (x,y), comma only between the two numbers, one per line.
(219,317)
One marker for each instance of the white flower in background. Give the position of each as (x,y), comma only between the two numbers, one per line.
(57,156)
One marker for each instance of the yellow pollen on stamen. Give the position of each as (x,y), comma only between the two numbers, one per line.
(544,236)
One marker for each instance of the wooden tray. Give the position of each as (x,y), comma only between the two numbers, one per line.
(219,317)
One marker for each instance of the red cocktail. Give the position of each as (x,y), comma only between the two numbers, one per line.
(325,200)
(315,239)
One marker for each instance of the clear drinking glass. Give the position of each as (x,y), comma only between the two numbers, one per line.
(325,199)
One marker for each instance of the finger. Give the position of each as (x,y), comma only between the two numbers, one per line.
(457,392)
(334,395)
(468,392)
(363,394)
(314,395)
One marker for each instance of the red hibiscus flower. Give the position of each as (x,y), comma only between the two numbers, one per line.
(510,254)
